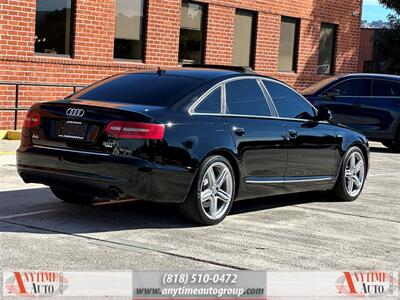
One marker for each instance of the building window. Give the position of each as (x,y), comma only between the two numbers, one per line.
(54,24)
(289,44)
(327,40)
(192,33)
(128,43)
(243,44)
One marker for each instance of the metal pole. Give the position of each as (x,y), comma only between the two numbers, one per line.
(16,106)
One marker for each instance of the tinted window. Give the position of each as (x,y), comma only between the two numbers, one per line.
(144,89)
(128,42)
(243,38)
(288,44)
(244,97)
(386,88)
(327,41)
(211,104)
(53,26)
(355,87)
(192,33)
(288,103)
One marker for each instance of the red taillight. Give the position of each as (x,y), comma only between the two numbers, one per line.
(32,120)
(135,130)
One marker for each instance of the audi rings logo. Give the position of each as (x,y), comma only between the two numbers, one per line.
(75,112)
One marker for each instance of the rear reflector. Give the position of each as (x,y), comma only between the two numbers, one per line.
(32,120)
(134,130)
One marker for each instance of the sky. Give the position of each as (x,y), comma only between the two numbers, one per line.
(374,11)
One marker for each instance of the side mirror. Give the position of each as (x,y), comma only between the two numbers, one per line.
(324,114)
(332,94)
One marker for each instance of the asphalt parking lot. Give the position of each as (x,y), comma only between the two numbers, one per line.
(297,232)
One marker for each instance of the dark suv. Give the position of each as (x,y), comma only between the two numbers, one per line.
(369,103)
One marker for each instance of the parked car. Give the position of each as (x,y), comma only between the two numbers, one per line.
(198,137)
(369,103)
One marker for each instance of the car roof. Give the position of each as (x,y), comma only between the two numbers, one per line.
(369,75)
(198,73)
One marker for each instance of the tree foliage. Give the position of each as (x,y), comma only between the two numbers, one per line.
(388,40)
(392,4)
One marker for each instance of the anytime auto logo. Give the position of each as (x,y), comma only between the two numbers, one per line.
(36,284)
(367,284)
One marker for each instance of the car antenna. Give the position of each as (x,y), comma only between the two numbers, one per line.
(160,71)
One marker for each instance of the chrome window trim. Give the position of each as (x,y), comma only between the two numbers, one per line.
(267,96)
(204,96)
(324,178)
(270,98)
(70,150)
(223,113)
(192,108)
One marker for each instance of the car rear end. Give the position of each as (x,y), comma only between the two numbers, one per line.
(103,148)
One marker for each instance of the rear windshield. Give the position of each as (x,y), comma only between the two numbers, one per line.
(144,89)
(318,86)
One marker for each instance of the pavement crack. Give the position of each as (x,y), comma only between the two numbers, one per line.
(116,243)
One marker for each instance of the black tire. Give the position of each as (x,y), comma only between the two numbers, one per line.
(192,207)
(71,197)
(340,191)
(393,145)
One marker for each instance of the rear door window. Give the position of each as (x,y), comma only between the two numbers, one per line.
(245,97)
(386,88)
(354,88)
(142,88)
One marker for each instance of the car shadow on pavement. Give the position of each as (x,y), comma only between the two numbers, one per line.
(382,150)
(38,211)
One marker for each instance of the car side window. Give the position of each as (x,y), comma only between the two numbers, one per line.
(353,87)
(245,97)
(211,104)
(288,103)
(386,88)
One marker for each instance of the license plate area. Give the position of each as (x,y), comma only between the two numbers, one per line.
(73,130)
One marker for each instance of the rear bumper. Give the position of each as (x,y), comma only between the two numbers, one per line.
(96,173)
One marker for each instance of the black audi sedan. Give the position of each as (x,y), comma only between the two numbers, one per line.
(199,137)
(369,103)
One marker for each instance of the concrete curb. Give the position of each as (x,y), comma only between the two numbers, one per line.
(10,134)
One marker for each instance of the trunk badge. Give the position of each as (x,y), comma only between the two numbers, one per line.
(75,112)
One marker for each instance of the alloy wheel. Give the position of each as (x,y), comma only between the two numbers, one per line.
(216,190)
(355,174)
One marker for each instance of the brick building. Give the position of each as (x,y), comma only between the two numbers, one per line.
(76,42)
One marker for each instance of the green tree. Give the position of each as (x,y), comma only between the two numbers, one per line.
(388,39)
(392,4)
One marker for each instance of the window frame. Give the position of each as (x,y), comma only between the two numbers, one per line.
(72,35)
(143,35)
(334,48)
(271,105)
(203,31)
(253,40)
(296,43)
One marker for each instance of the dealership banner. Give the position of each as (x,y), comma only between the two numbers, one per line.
(67,284)
(228,284)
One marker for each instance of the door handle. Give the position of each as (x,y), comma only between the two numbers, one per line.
(292,134)
(238,131)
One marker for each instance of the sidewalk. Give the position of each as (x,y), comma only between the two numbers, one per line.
(8,147)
